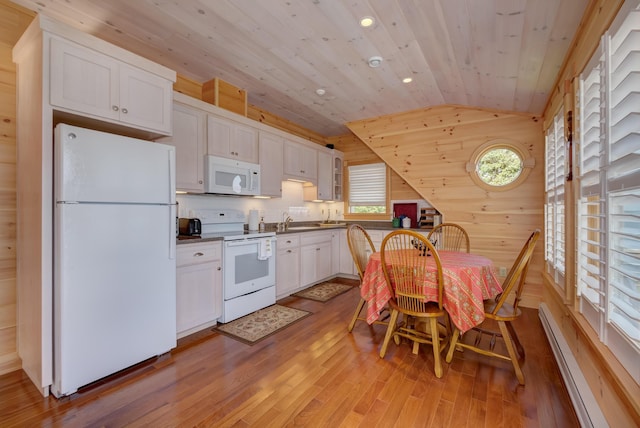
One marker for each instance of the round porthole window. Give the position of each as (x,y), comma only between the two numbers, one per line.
(499,165)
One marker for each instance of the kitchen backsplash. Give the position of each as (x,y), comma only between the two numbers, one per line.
(292,202)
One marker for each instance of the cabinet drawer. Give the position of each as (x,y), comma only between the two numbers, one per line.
(311,238)
(188,254)
(288,241)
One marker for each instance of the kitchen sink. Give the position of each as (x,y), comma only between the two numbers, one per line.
(331,224)
(302,228)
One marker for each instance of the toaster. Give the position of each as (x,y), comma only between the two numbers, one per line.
(189,226)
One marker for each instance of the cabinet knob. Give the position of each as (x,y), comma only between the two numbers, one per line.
(125,111)
(219,268)
(199,181)
(115,108)
(288,251)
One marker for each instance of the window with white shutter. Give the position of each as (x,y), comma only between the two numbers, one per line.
(609,205)
(368,188)
(554,205)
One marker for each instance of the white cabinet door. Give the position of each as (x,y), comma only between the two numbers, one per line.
(325,176)
(335,252)
(83,81)
(231,140)
(300,162)
(307,265)
(287,271)
(315,258)
(189,133)
(198,286)
(198,300)
(338,188)
(271,164)
(145,99)
(92,84)
(323,261)
(347,266)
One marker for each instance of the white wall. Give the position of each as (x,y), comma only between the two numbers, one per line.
(271,209)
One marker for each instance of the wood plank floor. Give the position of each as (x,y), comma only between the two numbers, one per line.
(312,374)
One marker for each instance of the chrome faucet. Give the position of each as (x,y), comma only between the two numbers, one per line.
(286,221)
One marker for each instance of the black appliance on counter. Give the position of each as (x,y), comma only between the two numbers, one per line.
(189,226)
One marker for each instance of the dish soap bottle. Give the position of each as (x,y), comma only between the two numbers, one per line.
(261,226)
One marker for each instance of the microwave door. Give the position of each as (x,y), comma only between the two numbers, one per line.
(230,179)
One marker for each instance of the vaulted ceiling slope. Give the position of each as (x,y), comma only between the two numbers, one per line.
(497,54)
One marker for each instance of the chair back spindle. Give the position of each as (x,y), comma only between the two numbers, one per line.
(450,237)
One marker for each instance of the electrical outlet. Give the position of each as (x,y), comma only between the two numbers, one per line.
(502,271)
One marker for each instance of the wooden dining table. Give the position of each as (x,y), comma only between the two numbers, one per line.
(469,279)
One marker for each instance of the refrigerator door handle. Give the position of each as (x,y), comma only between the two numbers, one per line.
(172,175)
(172,231)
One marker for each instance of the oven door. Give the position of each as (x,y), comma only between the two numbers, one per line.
(244,273)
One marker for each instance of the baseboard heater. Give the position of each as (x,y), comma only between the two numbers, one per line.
(586,407)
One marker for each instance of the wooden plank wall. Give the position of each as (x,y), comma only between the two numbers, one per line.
(13,21)
(429,148)
(356,151)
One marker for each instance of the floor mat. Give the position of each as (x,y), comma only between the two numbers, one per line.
(324,291)
(258,325)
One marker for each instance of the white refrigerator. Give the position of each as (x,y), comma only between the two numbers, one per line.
(114,254)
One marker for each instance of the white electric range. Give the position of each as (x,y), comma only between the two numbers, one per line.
(248,260)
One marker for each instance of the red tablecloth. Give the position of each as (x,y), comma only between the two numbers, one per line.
(468,280)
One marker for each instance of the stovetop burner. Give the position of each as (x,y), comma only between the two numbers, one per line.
(227,224)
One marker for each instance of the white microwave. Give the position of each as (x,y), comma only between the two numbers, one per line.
(231,177)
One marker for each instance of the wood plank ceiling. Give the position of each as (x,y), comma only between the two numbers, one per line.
(497,54)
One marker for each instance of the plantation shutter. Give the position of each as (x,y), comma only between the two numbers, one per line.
(608,265)
(623,178)
(367,185)
(554,206)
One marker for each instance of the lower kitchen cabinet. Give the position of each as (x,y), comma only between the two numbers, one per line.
(198,286)
(287,265)
(315,257)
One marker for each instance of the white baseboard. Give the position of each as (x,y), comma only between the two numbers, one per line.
(586,407)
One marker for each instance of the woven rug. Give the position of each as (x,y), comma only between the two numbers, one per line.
(323,292)
(258,325)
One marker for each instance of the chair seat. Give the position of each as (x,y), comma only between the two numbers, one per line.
(505,313)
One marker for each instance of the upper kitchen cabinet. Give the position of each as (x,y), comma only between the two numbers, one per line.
(189,139)
(338,182)
(329,184)
(300,162)
(86,82)
(231,139)
(272,163)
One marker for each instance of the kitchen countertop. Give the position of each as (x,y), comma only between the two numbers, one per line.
(301,227)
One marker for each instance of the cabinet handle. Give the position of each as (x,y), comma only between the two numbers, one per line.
(317,249)
(125,111)
(198,254)
(114,108)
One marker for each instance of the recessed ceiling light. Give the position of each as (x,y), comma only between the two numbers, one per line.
(320,91)
(367,21)
(375,61)
(407,80)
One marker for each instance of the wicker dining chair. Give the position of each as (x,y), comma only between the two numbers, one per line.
(450,237)
(361,247)
(499,311)
(404,257)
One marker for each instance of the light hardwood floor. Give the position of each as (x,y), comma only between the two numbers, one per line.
(312,374)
